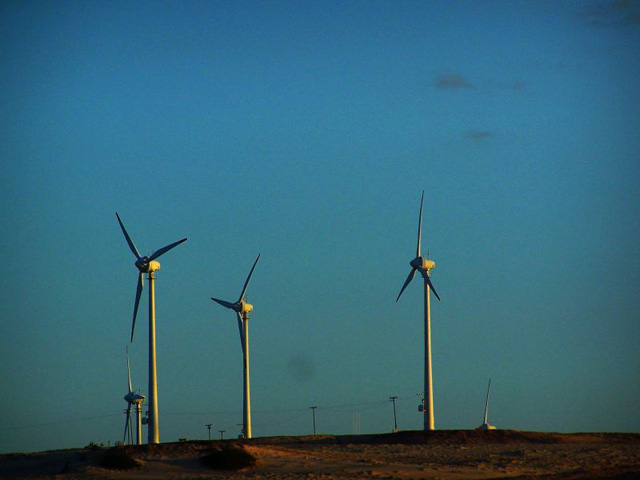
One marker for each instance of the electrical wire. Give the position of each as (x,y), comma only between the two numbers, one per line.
(340,408)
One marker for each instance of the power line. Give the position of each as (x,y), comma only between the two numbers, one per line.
(300,411)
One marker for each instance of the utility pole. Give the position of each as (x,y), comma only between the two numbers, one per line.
(395,419)
(313,409)
(208,425)
(222,434)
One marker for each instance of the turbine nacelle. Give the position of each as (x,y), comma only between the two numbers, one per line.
(146,266)
(422,263)
(243,307)
(134,398)
(240,306)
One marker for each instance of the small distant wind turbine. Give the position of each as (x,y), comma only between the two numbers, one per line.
(135,399)
(485,425)
(423,265)
(242,309)
(150,266)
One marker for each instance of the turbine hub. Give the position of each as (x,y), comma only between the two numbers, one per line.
(129,397)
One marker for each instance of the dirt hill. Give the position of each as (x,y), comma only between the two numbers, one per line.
(446,454)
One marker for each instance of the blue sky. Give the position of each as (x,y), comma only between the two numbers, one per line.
(306,131)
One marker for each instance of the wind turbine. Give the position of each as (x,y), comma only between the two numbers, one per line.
(136,400)
(423,265)
(242,309)
(150,266)
(485,425)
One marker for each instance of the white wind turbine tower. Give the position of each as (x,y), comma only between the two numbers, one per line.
(149,266)
(135,399)
(423,265)
(242,309)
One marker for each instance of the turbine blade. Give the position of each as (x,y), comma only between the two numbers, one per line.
(129,241)
(486,405)
(224,303)
(428,280)
(406,282)
(126,424)
(240,325)
(129,371)
(420,226)
(164,250)
(137,302)
(246,283)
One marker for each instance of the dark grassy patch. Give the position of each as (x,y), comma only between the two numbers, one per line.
(229,458)
(118,460)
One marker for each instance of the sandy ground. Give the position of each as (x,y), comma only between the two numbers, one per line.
(405,455)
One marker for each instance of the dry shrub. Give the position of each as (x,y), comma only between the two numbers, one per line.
(119,460)
(229,458)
